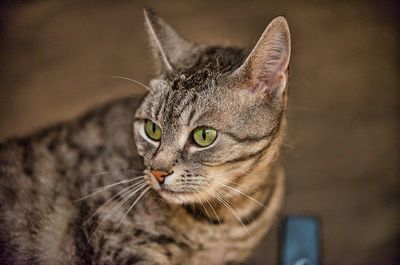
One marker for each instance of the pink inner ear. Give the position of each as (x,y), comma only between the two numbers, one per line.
(264,71)
(266,75)
(269,65)
(269,59)
(267,86)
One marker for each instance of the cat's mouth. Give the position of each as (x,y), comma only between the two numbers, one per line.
(169,193)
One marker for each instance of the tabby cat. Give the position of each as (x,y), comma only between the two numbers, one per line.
(198,182)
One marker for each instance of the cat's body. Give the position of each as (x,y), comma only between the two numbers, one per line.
(47,217)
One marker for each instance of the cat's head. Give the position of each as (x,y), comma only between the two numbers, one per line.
(212,114)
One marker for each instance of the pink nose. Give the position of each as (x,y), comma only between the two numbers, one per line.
(159,175)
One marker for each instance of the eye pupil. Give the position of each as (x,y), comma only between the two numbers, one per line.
(204,136)
(153,131)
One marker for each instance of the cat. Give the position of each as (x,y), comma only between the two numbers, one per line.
(199,181)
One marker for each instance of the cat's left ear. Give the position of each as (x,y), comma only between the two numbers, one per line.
(266,68)
(170,50)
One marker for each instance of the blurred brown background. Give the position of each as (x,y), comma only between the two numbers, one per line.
(342,153)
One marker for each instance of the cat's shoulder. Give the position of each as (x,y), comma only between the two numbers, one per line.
(108,118)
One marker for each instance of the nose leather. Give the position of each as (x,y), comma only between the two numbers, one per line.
(159,175)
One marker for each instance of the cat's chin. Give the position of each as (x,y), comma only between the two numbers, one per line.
(176,197)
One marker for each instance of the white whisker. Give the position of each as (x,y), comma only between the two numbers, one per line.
(104,188)
(244,187)
(198,198)
(112,198)
(130,208)
(238,191)
(118,206)
(132,80)
(212,208)
(226,204)
(117,183)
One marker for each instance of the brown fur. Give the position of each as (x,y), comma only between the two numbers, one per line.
(54,207)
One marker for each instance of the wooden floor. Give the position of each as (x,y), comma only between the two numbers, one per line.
(342,149)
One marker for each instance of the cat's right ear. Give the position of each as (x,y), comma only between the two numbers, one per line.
(170,50)
(265,71)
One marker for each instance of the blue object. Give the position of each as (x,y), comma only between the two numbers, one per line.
(300,241)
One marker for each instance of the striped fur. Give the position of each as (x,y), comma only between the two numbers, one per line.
(81,193)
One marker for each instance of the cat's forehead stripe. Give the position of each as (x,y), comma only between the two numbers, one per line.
(213,62)
(186,84)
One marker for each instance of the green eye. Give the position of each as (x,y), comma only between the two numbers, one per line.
(153,131)
(204,136)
